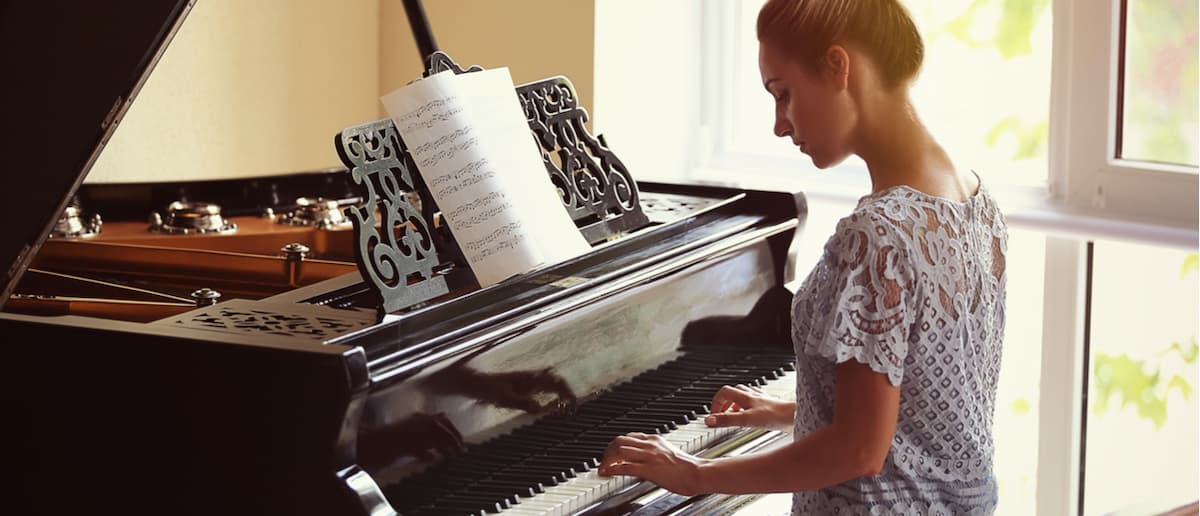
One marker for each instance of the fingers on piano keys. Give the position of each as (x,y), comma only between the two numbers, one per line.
(550,467)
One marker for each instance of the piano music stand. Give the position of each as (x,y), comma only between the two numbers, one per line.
(594,186)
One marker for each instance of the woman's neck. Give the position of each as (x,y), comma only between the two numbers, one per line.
(899,150)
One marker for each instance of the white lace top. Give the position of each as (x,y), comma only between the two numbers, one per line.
(913,286)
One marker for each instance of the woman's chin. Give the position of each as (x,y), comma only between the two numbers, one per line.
(824,162)
(820,162)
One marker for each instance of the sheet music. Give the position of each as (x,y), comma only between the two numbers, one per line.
(473,147)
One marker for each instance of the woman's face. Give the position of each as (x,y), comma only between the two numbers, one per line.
(813,109)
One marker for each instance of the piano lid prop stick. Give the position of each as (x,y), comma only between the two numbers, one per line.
(419,23)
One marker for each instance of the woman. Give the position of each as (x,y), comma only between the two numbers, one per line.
(898,329)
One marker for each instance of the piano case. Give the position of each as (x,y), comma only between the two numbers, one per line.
(265,360)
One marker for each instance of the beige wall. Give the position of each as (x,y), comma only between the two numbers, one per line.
(250,88)
(258,87)
(535,39)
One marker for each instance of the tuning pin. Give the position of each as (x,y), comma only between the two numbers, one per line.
(206,297)
(295,251)
(293,255)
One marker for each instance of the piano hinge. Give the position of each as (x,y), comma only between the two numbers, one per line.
(112,113)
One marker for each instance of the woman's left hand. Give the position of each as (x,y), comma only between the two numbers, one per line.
(653,458)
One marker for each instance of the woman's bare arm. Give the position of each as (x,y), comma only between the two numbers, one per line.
(854,445)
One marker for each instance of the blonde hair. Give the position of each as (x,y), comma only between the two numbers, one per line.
(883,29)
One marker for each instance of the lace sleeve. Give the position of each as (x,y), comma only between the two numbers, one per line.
(867,297)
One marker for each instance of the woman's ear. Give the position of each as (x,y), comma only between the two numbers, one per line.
(837,66)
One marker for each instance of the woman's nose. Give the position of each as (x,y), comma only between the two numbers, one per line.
(783,128)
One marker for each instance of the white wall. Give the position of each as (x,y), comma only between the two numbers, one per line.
(648,75)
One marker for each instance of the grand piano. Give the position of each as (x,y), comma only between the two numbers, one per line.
(255,359)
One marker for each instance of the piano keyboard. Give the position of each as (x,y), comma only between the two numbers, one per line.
(549,467)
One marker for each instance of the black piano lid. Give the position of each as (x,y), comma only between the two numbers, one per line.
(71,71)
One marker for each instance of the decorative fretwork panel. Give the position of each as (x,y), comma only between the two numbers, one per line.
(395,247)
(594,185)
(261,318)
(662,207)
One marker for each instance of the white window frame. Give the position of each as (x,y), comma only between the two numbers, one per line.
(1086,175)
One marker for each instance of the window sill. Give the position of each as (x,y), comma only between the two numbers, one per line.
(1025,207)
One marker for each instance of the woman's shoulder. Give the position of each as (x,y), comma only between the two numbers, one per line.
(880,216)
(904,208)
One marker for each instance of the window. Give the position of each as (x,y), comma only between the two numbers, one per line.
(1158,82)
(1141,445)
(1016,421)
(1125,154)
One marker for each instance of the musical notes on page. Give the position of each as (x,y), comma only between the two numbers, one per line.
(470,141)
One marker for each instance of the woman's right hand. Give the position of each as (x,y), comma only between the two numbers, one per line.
(741,405)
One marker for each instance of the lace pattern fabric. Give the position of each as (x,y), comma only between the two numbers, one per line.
(912,286)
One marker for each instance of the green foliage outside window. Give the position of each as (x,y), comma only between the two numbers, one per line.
(1012,36)
(1160,111)
(1146,384)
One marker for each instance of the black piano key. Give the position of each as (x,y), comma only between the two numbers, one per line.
(590,421)
(551,433)
(446,511)
(754,380)
(497,455)
(484,498)
(559,473)
(674,418)
(659,425)
(607,410)
(598,440)
(547,474)
(518,481)
(511,491)
(683,407)
(644,390)
(469,503)
(570,466)
(586,450)
(527,446)
(451,508)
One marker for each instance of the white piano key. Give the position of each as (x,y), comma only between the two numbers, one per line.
(518,510)
(559,504)
(545,507)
